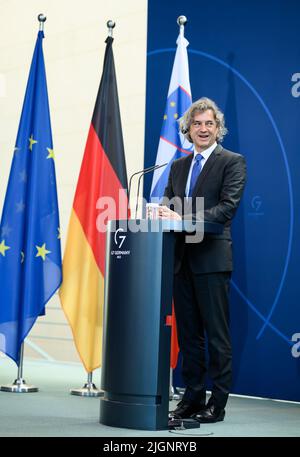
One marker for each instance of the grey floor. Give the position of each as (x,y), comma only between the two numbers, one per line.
(53,412)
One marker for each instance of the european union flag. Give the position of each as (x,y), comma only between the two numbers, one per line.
(30,254)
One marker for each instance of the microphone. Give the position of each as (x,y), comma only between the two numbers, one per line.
(144,172)
(137,173)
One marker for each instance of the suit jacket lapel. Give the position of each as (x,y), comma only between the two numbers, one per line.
(207,167)
(184,174)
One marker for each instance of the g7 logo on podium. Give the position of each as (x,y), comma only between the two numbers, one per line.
(119,237)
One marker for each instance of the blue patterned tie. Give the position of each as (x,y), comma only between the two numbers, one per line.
(195,173)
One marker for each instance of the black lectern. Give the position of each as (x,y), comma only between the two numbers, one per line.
(136,339)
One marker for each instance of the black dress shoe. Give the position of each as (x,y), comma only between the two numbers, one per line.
(186,409)
(210,414)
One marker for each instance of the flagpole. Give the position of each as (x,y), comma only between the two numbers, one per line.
(89,389)
(174,393)
(19,385)
(171,388)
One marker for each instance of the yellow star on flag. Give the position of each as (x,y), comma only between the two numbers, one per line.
(172,104)
(3,248)
(176,115)
(32,142)
(22,256)
(51,154)
(42,251)
(165,117)
(59,233)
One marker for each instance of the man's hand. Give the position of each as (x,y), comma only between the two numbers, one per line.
(166,213)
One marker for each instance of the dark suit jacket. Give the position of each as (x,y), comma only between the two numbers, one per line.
(221,183)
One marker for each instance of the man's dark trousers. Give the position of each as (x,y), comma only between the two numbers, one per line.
(202,306)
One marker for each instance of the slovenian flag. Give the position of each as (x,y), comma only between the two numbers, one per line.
(172,144)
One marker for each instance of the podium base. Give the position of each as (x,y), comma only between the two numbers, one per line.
(143,414)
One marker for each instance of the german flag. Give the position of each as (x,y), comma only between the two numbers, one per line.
(101,194)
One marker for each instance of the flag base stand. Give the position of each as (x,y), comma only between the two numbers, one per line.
(19,386)
(182,424)
(175,394)
(88,390)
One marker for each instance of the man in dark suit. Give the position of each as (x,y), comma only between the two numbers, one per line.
(203,270)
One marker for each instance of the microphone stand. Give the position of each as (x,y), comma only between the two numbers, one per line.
(153,167)
(138,189)
(144,172)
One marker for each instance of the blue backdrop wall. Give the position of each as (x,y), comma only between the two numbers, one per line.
(245,55)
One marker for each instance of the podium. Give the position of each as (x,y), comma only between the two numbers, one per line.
(136,338)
